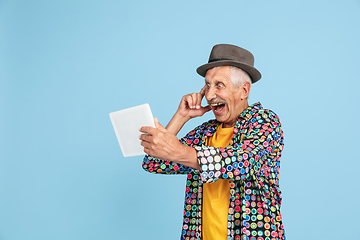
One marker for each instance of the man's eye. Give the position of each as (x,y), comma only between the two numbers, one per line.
(220,85)
(207,85)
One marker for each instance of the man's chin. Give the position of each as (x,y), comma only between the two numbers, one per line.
(219,118)
(225,121)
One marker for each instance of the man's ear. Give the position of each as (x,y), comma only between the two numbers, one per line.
(245,88)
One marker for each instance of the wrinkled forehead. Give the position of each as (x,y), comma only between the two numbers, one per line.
(218,73)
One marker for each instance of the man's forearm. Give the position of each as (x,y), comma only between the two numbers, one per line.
(186,156)
(176,123)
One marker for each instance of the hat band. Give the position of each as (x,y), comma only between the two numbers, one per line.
(219,59)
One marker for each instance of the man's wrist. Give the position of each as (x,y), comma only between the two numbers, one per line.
(181,119)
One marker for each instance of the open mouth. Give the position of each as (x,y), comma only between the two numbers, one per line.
(218,107)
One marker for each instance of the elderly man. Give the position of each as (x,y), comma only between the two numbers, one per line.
(232,162)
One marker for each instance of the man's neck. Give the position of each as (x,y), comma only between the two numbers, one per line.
(244,105)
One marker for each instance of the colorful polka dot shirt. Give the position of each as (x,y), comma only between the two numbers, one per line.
(251,162)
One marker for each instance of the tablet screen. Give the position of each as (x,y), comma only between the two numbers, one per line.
(126,125)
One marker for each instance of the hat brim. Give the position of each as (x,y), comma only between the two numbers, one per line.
(253,72)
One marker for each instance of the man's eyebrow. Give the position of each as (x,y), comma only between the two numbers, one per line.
(215,81)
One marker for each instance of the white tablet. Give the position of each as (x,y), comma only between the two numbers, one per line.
(126,125)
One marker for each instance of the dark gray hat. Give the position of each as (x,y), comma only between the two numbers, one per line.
(231,55)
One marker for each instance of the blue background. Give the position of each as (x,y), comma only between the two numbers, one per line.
(65,65)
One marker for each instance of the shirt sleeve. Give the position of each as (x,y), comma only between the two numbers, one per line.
(255,152)
(159,166)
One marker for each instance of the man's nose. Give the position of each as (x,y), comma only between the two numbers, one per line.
(210,94)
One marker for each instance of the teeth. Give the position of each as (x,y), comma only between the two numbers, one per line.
(216,104)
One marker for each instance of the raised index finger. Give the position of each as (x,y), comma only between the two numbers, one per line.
(202,91)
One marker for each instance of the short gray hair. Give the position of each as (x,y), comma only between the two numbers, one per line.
(239,76)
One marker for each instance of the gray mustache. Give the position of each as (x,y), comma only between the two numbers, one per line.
(216,101)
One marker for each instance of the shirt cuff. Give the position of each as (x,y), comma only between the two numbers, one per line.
(210,163)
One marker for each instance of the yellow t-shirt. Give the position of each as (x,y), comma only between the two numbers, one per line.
(216,195)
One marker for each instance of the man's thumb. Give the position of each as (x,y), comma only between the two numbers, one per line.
(158,125)
(207,108)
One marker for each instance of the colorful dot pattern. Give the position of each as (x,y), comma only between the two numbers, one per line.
(251,163)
